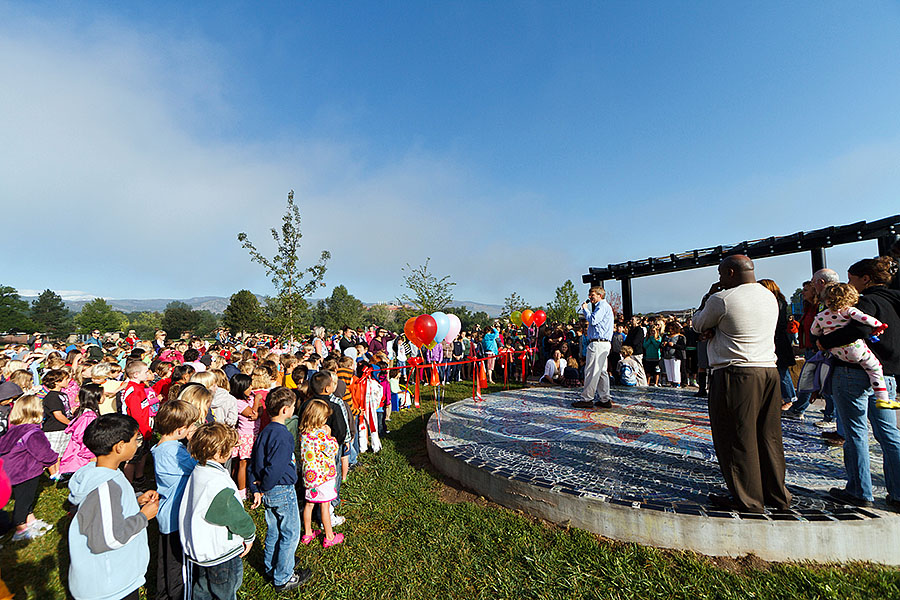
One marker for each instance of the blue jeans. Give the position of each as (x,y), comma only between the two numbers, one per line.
(337,483)
(354,447)
(219,582)
(854,400)
(787,385)
(283,532)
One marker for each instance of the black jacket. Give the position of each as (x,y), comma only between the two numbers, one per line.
(883,304)
(635,339)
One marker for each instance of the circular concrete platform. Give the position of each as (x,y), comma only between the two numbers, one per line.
(642,472)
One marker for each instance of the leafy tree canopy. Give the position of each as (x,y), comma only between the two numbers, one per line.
(243,313)
(179,318)
(564,306)
(13,311)
(98,314)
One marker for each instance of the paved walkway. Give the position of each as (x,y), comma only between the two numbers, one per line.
(653,449)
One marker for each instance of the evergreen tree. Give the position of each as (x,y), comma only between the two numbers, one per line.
(339,309)
(206,323)
(381,315)
(13,312)
(284,269)
(179,318)
(98,314)
(50,314)
(563,308)
(428,293)
(243,313)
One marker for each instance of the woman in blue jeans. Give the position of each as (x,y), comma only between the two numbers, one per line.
(852,393)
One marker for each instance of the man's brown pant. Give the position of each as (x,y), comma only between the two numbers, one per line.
(745,418)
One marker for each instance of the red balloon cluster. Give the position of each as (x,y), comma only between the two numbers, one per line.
(420,330)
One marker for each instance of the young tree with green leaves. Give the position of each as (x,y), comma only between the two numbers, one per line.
(512,303)
(50,315)
(564,306)
(427,293)
(144,323)
(98,314)
(292,283)
(243,313)
(13,312)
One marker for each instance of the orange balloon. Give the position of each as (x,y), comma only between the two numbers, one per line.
(527,317)
(410,330)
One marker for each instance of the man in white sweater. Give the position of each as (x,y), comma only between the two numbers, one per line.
(738,317)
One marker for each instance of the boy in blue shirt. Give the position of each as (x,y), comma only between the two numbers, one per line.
(173,465)
(272,476)
(108,547)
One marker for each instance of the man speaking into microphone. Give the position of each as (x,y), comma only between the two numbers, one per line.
(599,317)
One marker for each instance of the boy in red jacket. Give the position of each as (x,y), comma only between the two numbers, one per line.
(140,402)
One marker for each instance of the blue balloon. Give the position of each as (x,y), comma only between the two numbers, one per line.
(443,325)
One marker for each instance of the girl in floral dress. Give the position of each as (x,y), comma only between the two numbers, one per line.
(318,451)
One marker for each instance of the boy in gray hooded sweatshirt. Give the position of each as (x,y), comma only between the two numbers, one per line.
(108,537)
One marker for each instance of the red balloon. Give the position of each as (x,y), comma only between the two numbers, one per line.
(540,317)
(410,330)
(527,317)
(425,329)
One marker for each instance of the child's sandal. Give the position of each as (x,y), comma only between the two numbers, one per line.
(307,539)
(337,539)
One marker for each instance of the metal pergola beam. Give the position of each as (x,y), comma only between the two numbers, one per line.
(803,241)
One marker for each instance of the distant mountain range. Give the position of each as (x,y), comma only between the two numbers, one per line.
(217,304)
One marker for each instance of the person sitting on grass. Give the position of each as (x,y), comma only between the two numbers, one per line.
(108,548)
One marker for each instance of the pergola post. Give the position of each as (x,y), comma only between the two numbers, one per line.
(627,309)
(818,259)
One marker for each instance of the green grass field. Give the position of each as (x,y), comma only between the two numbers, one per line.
(405,540)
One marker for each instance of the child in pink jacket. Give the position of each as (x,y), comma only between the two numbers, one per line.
(76,454)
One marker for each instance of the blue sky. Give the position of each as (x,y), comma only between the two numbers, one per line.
(516,144)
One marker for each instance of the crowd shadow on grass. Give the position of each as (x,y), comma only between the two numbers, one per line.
(33,577)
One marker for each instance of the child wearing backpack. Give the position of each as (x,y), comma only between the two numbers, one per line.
(26,453)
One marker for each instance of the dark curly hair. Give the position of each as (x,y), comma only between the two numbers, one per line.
(881,270)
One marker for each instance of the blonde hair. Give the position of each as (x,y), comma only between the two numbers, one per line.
(262,379)
(197,395)
(840,296)
(55,361)
(247,367)
(598,289)
(204,378)
(22,378)
(27,409)
(626,351)
(13,366)
(315,416)
(221,379)
(212,440)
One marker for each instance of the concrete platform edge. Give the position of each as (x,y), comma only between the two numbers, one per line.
(778,541)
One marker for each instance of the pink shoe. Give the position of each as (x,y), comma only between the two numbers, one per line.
(337,539)
(307,539)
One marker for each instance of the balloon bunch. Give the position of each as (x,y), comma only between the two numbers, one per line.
(431,330)
(528,317)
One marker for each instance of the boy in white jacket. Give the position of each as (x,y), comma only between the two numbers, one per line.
(216,531)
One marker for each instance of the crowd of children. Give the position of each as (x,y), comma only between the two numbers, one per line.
(282,431)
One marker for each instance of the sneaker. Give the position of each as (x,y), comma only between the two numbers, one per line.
(583,404)
(337,520)
(337,539)
(607,404)
(291,584)
(789,414)
(825,424)
(27,534)
(39,525)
